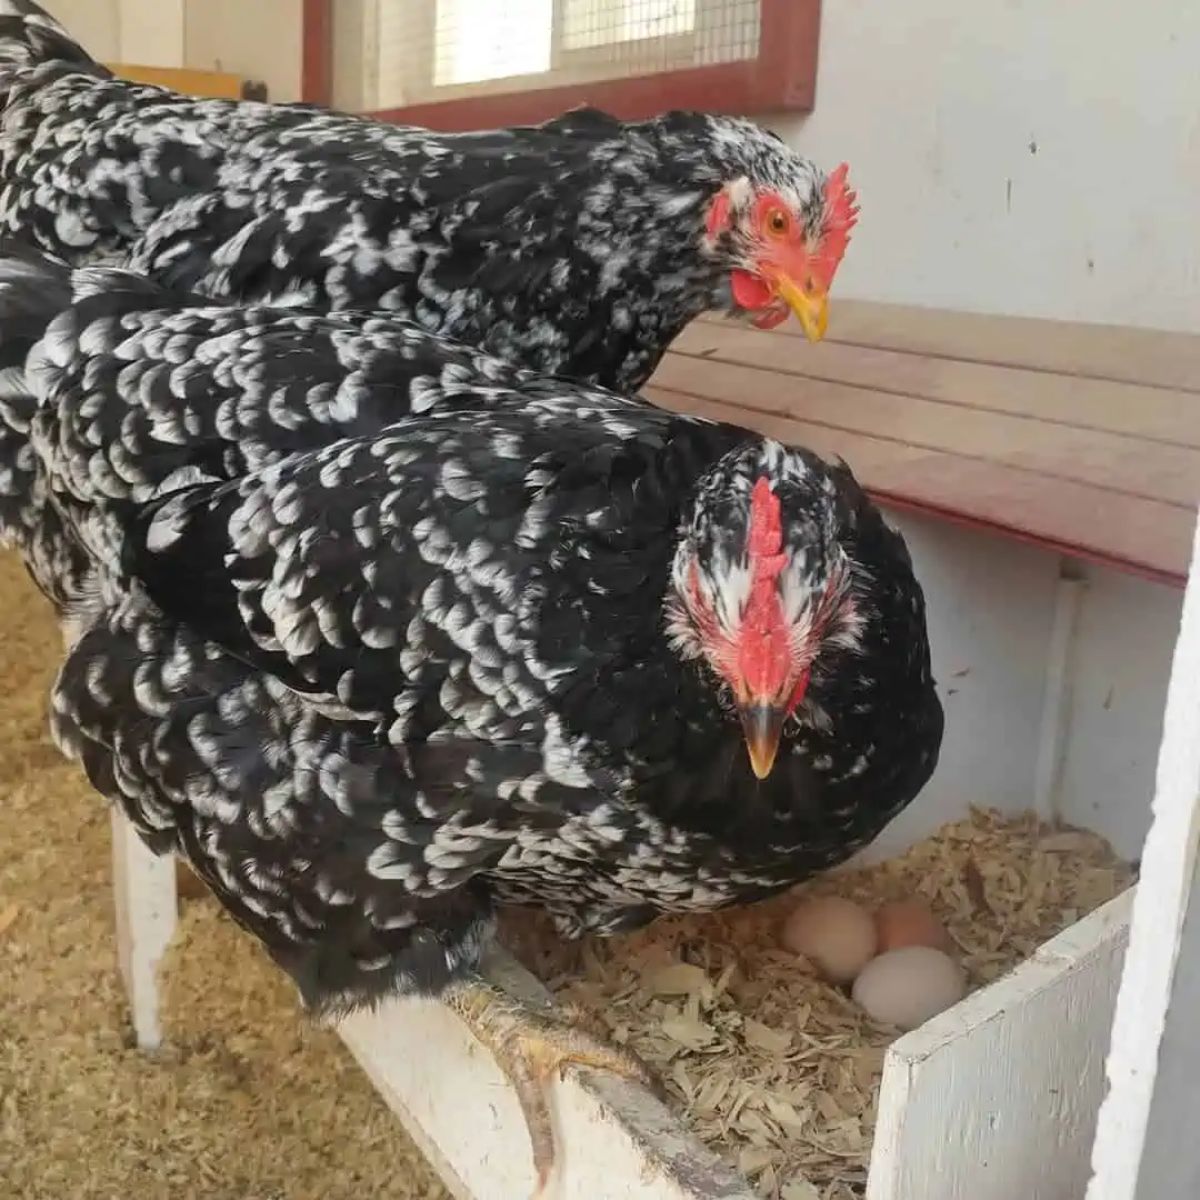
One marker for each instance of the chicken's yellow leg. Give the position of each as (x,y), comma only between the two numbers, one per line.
(530,1045)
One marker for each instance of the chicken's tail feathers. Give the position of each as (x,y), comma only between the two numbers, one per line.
(29,36)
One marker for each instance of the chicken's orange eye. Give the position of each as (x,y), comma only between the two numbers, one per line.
(778,222)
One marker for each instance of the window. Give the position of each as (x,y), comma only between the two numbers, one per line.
(472,63)
(591,23)
(477,41)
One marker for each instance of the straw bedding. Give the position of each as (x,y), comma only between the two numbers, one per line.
(776,1069)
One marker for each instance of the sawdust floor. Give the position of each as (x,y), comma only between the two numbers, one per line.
(248,1103)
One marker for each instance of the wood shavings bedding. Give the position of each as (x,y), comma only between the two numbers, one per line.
(776,1069)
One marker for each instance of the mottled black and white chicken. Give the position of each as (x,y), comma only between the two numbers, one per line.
(580,247)
(531,642)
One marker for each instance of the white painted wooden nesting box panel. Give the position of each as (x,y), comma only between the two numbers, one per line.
(996,1098)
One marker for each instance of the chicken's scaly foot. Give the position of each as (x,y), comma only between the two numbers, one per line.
(530,1045)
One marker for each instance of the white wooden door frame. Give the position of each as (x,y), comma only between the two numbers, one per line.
(1146,1147)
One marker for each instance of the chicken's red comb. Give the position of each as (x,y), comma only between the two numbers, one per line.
(764,538)
(841,214)
(760,648)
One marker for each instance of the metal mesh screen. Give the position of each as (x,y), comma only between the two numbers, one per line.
(432,49)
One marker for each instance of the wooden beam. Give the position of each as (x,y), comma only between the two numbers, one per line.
(1120,463)
(1083,439)
(1154,357)
(217,85)
(788,37)
(1130,534)
(1142,410)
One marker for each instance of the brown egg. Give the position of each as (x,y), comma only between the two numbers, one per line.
(906,987)
(910,923)
(837,936)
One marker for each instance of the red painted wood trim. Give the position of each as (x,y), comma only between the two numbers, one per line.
(1068,549)
(787,55)
(316,40)
(781,77)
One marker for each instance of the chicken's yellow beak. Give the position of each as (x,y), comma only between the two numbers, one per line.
(811,307)
(762,725)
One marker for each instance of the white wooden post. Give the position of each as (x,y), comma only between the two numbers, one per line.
(1056,702)
(1146,1145)
(144,896)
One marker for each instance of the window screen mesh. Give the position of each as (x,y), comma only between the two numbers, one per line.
(433,49)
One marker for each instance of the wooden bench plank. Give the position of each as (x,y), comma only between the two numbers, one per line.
(615,1140)
(1153,413)
(1145,536)
(1107,461)
(1142,356)
(218,85)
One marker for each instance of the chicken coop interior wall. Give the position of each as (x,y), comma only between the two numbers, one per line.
(991,605)
(261,41)
(1024,158)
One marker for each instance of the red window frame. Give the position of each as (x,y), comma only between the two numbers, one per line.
(781,77)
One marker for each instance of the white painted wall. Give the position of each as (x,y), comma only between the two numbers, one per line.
(95,24)
(1119,669)
(937,104)
(989,662)
(991,605)
(260,40)
(152,32)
